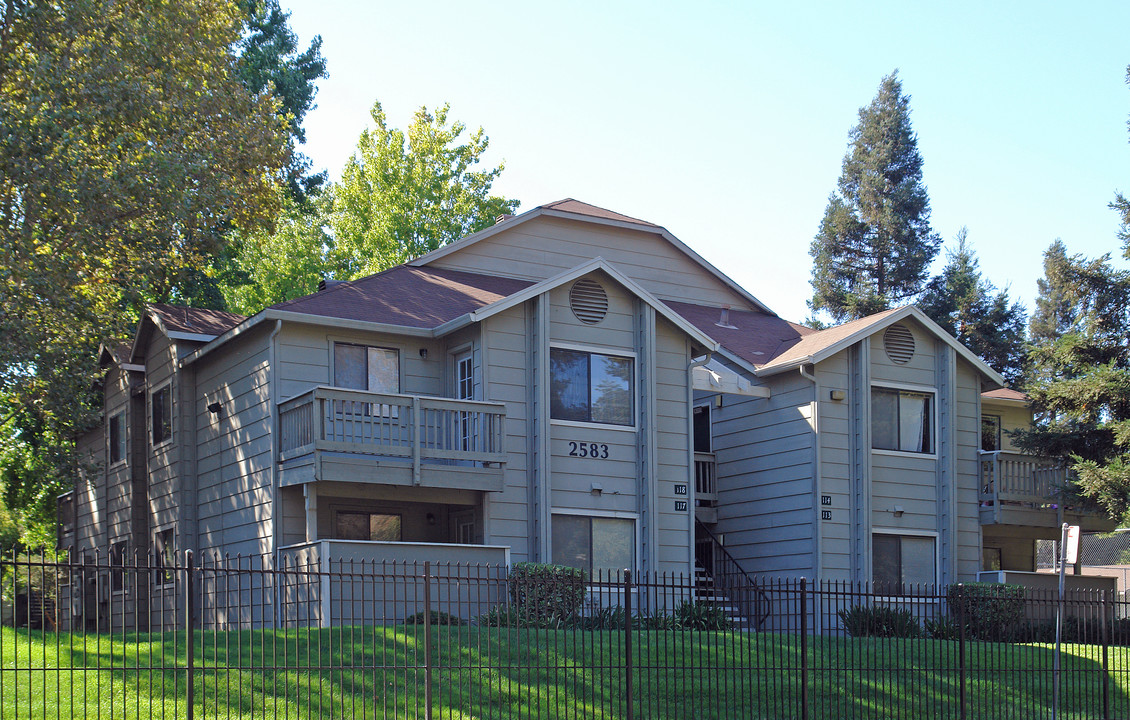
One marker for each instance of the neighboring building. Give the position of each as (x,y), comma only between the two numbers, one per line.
(540,390)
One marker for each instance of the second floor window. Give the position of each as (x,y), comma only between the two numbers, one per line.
(360,367)
(162,409)
(117,431)
(590,387)
(902,420)
(990,432)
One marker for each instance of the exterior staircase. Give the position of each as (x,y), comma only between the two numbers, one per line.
(720,581)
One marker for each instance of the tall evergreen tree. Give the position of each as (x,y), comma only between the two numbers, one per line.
(971,309)
(1080,370)
(875,242)
(269,60)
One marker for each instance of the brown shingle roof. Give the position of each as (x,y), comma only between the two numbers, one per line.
(421,297)
(755,337)
(580,208)
(1005,394)
(177,318)
(823,339)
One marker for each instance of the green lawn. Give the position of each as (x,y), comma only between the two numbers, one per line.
(377,672)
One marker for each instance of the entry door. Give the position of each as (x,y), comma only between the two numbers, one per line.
(465,390)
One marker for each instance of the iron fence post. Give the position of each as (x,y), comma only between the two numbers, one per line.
(190,640)
(427,640)
(804,648)
(1105,625)
(961,646)
(628,640)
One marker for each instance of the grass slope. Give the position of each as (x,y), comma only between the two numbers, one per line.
(377,672)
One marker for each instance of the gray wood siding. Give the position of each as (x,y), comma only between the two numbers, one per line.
(918,371)
(162,462)
(764,451)
(571,478)
(90,491)
(305,359)
(506,362)
(967,479)
(836,428)
(544,247)
(234,492)
(675,528)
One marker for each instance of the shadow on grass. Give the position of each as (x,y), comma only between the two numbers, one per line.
(479,672)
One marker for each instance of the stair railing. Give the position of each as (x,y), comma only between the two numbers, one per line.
(729,578)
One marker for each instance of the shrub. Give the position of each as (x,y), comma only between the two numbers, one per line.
(879,621)
(546,595)
(701,616)
(992,611)
(942,628)
(437,618)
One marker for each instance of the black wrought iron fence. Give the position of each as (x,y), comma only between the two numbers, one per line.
(307,637)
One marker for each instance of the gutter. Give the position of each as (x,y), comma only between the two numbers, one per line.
(817,529)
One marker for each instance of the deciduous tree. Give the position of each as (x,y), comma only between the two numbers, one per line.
(128,150)
(875,243)
(404,194)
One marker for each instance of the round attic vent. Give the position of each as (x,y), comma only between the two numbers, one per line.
(588,301)
(899,344)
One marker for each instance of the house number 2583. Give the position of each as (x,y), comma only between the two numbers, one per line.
(588,450)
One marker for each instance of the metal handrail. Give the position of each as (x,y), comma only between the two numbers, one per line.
(760,608)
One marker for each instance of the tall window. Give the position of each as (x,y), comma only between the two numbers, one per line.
(117,431)
(902,420)
(595,544)
(164,557)
(899,562)
(590,387)
(465,390)
(162,409)
(990,432)
(367,526)
(117,560)
(366,368)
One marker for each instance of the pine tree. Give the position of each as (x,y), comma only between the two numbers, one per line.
(1080,387)
(875,242)
(971,309)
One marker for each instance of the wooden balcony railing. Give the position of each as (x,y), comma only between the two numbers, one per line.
(413,427)
(705,477)
(1020,479)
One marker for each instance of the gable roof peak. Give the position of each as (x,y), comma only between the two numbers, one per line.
(576,207)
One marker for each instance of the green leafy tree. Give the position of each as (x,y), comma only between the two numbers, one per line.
(971,309)
(875,243)
(404,194)
(130,150)
(283,263)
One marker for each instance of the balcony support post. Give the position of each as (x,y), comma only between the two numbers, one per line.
(417,439)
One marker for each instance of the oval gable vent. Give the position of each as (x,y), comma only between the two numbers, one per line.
(588,301)
(899,344)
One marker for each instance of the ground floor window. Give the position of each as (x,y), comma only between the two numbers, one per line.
(596,544)
(367,526)
(899,563)
(164,557)
(991,558)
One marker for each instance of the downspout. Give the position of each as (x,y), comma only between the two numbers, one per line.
(272,381)
(817,527)
(690,457)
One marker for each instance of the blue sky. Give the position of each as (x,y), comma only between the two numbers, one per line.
(727,123)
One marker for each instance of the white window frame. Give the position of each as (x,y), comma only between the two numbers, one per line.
(610,514)
(907,387)
(902,532)
(334,342)
(611,352)
(159,568)
(123,433)
(172,412)
(1000,431)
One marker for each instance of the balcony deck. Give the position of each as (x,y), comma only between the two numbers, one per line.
(333,434)
(1022,490)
